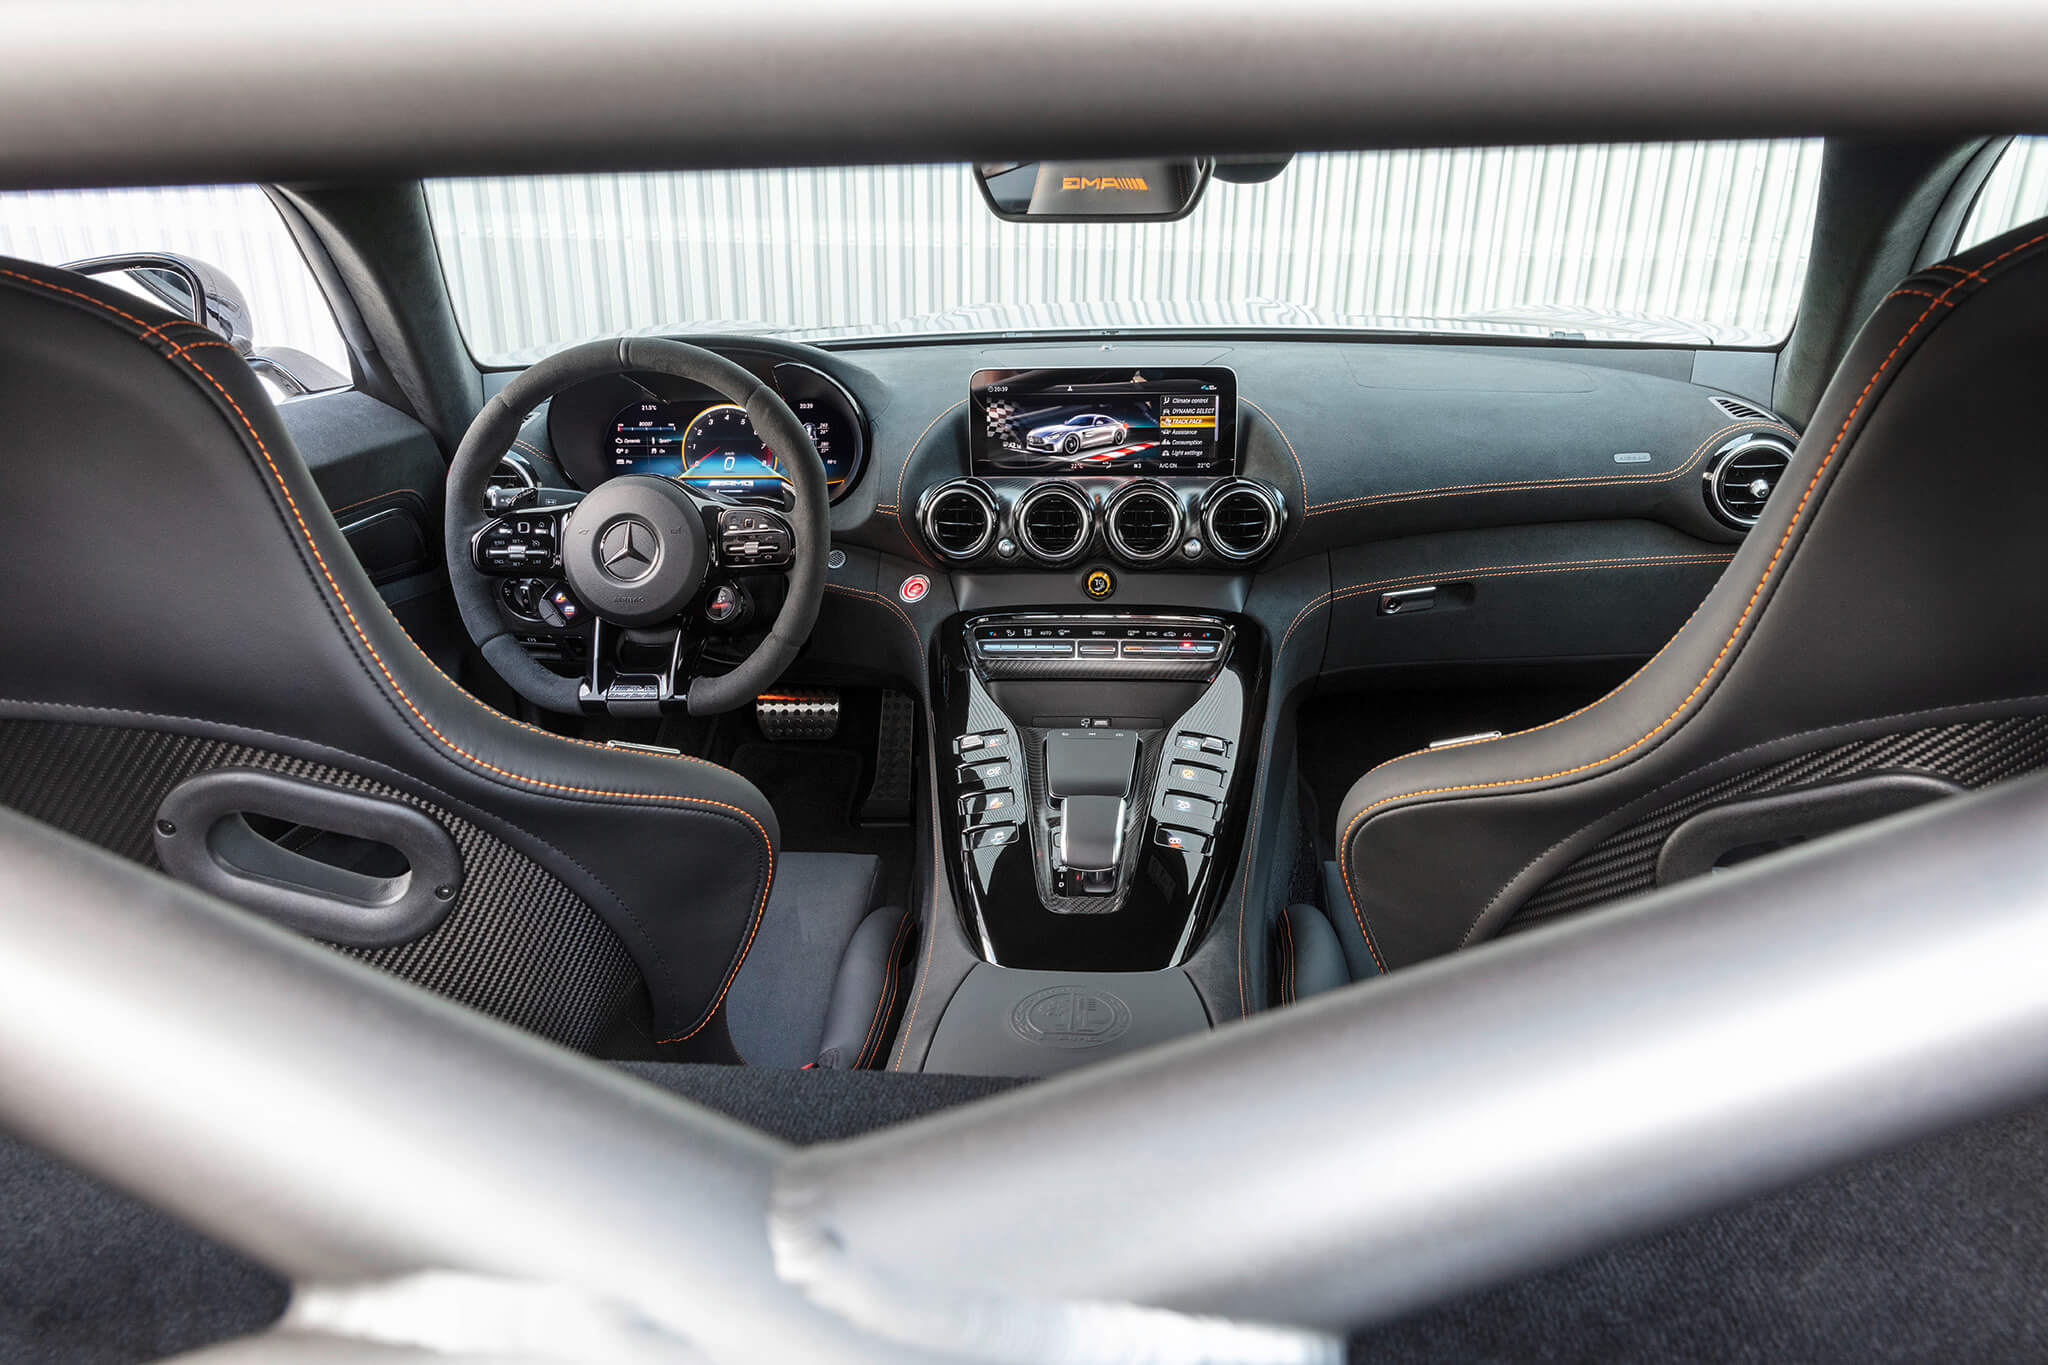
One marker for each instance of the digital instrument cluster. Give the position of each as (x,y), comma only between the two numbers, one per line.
(685,432)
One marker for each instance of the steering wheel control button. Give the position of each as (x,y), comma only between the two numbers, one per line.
(1099,584)
(635,550)
(515,543)
(751,539)
(557,609)
(725,606)
(914,588)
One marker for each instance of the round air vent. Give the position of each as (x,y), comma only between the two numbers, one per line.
(1243,519)
(959,519)
(514,471)
(1742,475)
(1053,521)
(1143,521)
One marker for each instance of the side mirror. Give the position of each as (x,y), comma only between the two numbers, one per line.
(208,296)
(1092,191)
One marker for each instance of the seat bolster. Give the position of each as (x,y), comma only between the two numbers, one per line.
(1315,959)
(866,991)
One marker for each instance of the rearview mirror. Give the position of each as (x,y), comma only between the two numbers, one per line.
(1092,191)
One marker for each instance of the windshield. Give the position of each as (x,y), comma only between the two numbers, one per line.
(1692,244)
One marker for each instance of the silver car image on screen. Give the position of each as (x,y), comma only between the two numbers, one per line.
(1082,431)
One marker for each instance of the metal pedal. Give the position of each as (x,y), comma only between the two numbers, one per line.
(889,798)
(797,714)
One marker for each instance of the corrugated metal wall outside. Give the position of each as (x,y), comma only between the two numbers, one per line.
(1714,233)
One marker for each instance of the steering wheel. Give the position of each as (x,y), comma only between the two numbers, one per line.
(640,550)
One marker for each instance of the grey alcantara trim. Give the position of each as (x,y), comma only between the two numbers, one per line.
(382,88)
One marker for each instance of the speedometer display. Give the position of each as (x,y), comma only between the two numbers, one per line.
(712,446)
(722,452)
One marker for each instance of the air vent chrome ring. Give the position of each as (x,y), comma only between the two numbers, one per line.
(519,467)
(1742,507)
(1223,500)
(1031,541)
(1141,494)
(961,502)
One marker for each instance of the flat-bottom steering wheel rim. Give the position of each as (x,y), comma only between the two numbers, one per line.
(498,425)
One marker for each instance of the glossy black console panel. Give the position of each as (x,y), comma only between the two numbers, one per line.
(1025,1023)
(1131,889)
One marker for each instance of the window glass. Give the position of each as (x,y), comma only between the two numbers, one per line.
(233,227)
(1686,243)
(2015,192)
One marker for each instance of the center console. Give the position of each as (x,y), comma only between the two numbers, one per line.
(1095,780)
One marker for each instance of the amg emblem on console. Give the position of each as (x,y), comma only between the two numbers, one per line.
(1070,1016)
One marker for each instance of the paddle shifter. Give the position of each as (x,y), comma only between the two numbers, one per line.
(1088,780)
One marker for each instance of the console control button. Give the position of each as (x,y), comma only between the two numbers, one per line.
(987,739)
(992,837)
(1195,777)
(1182,840)
(986,807)
(1098,649)
(1188,810)
(993,774)
(1198,745)
(1052,649)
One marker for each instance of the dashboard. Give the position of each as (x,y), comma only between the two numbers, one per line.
(1213,474)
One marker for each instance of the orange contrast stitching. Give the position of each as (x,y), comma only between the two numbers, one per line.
(1299,471)
(342,600)
(887,997)
(896,510)
(1742,621)
(1525,485)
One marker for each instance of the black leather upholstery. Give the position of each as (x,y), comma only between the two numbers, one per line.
(868,990)
(1894,584)
(1307,958)
(171,566)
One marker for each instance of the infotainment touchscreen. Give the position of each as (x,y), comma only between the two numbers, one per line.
(1104,422)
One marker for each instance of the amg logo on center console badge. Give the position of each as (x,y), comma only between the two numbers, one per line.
(1070,1016)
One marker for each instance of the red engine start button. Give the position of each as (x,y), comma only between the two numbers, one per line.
(914,588)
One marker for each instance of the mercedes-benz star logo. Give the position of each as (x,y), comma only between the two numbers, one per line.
(627,549)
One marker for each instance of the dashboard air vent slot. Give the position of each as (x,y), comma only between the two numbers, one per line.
(1243,519)
(1743,475)
(1053,522)
(959,519)
(1143,521)
(1741,411)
